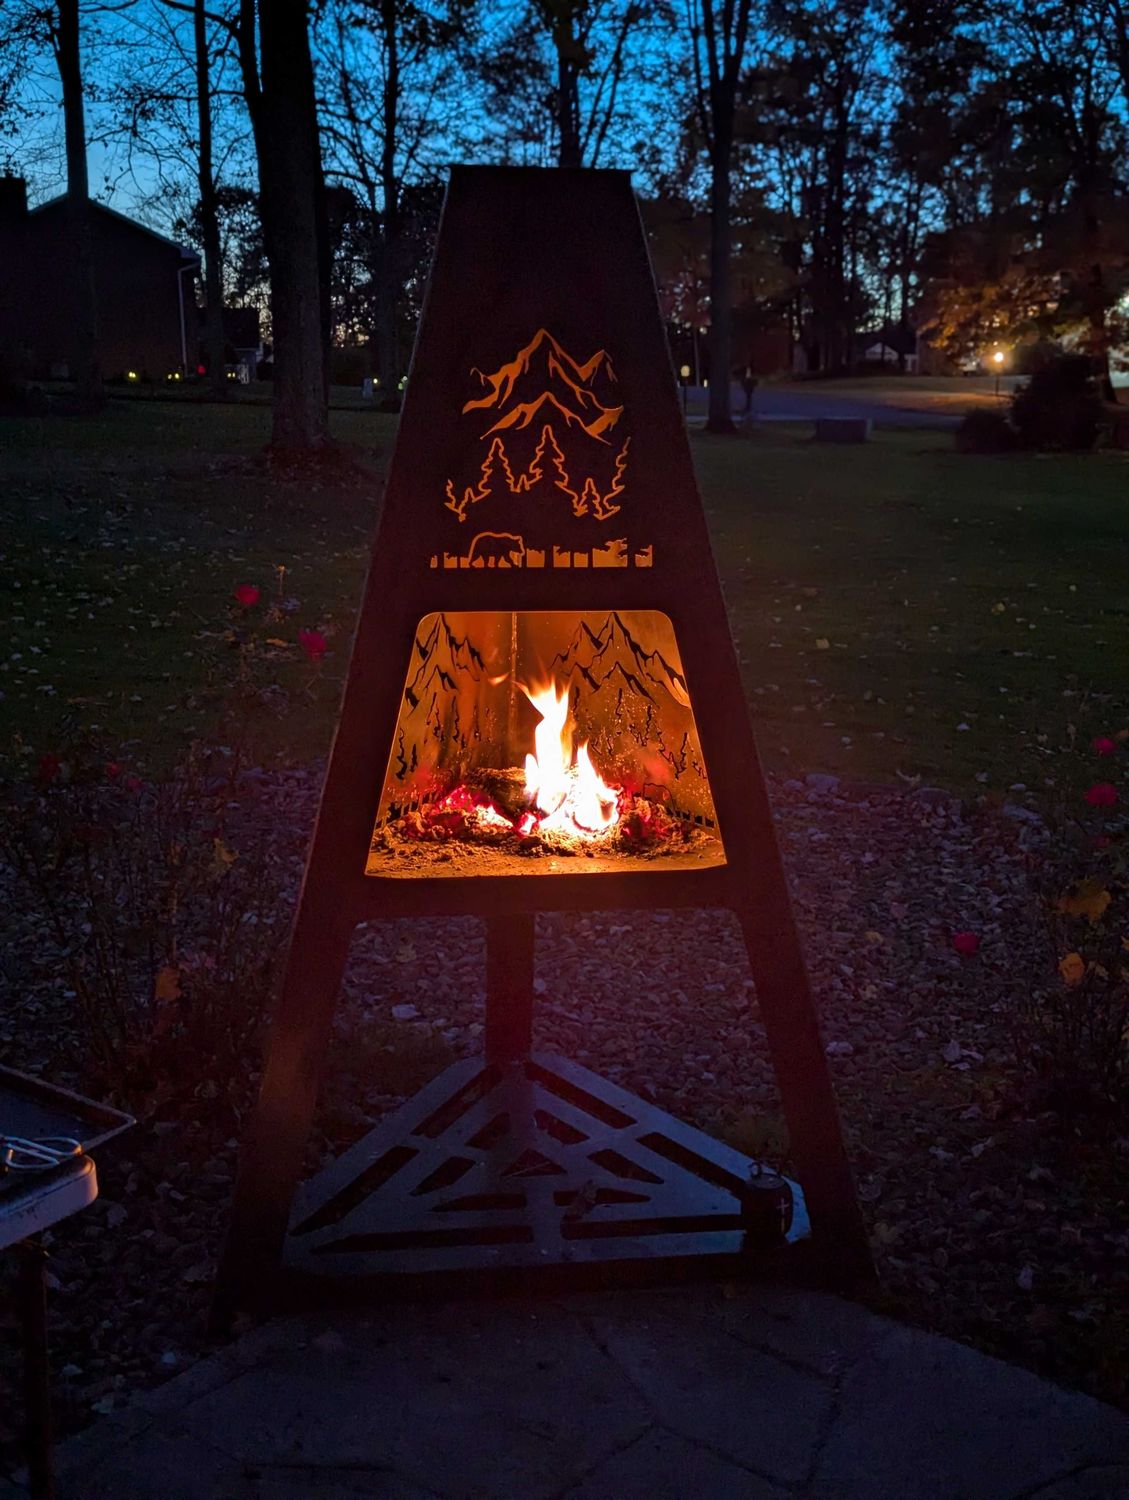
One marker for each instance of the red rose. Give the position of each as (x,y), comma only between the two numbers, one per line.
(967,943)
(113,770)
(1103,745)
(313,643)
(247,594)
(1102,794)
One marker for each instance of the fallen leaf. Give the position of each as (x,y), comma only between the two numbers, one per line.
(223,856)
(1073,968)
(167,986)
(1088,898)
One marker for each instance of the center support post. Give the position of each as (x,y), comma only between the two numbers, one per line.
(509,987)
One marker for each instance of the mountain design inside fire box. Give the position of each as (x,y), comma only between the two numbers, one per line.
(548,487)
(558,733)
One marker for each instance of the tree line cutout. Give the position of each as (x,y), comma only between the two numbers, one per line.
(585,501)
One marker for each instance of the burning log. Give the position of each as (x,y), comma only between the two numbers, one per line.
(504,790)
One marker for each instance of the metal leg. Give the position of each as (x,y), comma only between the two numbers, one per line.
(37,1374)
(509,987)
(787,1009)
(270,1160)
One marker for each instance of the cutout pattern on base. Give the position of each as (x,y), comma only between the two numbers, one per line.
(539,1163)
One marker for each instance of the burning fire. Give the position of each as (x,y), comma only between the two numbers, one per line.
(565,790)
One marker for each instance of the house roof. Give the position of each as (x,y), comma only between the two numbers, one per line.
(58,202)
(900,340)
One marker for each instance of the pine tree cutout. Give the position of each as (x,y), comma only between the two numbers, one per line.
(495,459)
(557,465)
(535,473)
(603,508)
(589,498)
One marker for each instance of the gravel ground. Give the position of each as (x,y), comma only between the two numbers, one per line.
(991,1223)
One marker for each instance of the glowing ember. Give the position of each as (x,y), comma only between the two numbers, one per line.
(564,788)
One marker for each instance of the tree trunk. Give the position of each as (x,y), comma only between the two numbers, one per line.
(385,311)
(568,111)
(719,419)
(1097,297)
(560,20)
(209,216)
(85,371)
(837,245)
(292,188)
(387,287)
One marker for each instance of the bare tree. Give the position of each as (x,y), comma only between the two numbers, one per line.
(278,84)
(393,88)
(718,38)
(562,75)
(158,106)
(209,215)
(64,31)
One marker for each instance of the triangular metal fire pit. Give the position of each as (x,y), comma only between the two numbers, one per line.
(541,522)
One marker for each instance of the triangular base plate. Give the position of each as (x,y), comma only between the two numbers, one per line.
(538,1164)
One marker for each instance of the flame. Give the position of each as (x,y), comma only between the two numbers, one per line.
(566,790)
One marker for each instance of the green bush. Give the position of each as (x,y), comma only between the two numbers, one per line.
(985,431)
(1059,409)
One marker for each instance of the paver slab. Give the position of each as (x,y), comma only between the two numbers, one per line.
(603,1398)
(175,1465)
(338,1484)
(1101,1482)
(923,1418)
(661,1466)
(504,1401)
(700,1382)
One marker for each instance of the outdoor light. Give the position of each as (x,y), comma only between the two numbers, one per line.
(998,362)
(685,372)
(543,713)
(131,374)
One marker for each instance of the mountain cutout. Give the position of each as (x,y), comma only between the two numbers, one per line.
(611,656)
(544,377)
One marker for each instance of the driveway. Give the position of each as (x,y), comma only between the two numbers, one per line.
(796,403)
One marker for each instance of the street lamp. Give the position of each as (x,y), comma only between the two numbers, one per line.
(998,360)
(684,376)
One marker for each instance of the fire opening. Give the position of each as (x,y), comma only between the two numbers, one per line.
(540,736)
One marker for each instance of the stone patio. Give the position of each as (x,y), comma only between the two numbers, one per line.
(713,1392)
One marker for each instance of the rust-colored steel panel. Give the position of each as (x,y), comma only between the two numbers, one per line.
(541,520)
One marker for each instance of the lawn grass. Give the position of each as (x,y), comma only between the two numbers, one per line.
(886,595)
(881,596)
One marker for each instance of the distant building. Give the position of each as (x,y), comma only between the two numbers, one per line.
(143,282)
(242,338)
(889,346)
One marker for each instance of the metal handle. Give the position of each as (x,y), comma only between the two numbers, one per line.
(18,1154)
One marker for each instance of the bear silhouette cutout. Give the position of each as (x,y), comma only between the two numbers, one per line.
(497,549)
